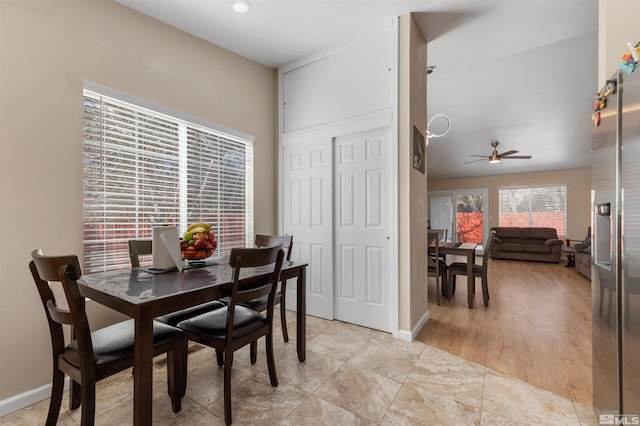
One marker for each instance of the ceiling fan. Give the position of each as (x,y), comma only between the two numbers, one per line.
(495,158)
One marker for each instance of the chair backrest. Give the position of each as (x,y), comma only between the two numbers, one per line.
(442,234)
(433,237)
(259,257)
(66,271)
(285,241)
(241,258)
(487,251)
(139,248)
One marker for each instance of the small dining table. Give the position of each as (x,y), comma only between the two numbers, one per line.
(143,295)
(469,251)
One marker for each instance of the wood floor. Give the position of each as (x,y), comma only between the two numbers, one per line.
(537,327)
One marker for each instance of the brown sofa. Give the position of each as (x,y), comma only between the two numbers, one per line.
(536,244)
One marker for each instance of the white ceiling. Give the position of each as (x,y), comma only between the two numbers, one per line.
(523,72)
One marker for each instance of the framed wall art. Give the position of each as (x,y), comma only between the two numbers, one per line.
(418,150)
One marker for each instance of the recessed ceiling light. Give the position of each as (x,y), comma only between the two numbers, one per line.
(241,6)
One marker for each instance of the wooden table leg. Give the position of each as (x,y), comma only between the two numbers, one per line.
(301,315)
(471,258)
(142,370)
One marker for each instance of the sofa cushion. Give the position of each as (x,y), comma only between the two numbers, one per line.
(536,248)
(532,241)
(510,247)
(539,233)
(508,232)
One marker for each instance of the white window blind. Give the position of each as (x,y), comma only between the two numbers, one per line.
(540,206)
(144,168)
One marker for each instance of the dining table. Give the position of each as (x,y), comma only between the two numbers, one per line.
(467,250)
(143,294)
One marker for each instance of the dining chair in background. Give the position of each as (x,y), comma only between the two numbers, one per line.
(480,271)
(436,266)
(93,356)
(139,248)
(442,238)
(235,326)
(260,304)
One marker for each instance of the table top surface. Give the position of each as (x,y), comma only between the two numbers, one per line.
(142,285)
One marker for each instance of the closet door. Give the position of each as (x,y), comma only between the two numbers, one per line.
(362,228)
(307,215)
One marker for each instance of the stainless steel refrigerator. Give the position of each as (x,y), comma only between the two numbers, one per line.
(615,221)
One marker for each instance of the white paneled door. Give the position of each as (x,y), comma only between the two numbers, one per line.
(307,215)
(362,228)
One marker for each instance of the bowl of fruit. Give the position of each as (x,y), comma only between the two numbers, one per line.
(198,242)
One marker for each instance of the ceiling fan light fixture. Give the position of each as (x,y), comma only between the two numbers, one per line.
(494,159)
(241,6)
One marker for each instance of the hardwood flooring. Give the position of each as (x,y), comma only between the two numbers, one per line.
(537,327)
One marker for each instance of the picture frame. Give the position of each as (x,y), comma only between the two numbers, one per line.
(418,151)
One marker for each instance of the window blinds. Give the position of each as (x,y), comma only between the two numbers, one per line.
(541,206)
(144,168)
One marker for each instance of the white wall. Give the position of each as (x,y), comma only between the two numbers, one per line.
(348,83)
(618,23)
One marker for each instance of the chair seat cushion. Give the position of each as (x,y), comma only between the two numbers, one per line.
(175,317)
(460,268)
(260,304)
(115,342)
(214,324)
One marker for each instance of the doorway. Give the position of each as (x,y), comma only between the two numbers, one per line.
(464,213)
(362,229)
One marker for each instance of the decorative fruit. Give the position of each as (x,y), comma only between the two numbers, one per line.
(198,242)
(198,225)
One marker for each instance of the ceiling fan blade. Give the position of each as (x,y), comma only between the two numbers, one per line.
(504,154)
(475,161)
(483,156)
(516,157)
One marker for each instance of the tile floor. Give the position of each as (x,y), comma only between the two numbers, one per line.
(352,376)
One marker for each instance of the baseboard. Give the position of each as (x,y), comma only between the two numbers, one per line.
(25,399)
(409,336)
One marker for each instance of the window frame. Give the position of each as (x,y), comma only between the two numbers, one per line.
(188,131)
(561,233)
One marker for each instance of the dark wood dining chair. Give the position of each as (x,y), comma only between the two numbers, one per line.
(139,248)
(93,356)
(260,304)
(436,266)
(460,268)
(234,326)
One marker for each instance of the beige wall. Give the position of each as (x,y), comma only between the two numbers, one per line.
(618,22)
(47,49)
(578,183)
(412,211)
